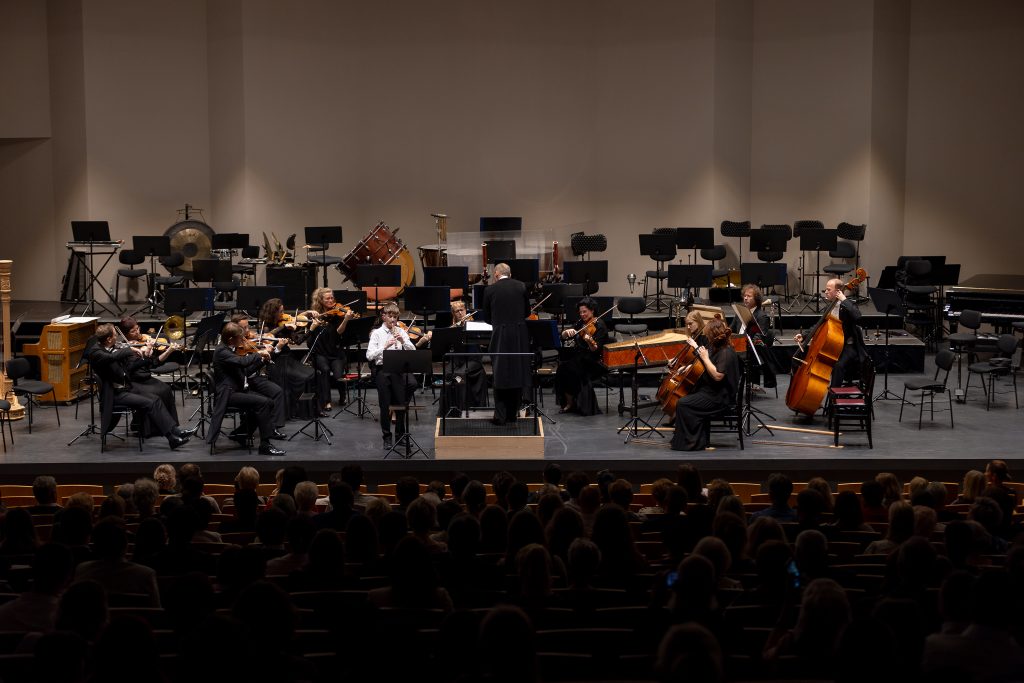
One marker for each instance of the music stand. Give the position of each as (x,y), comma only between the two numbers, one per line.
(749,412)
(768,240)
(887,301)
(91,232)
(322,236)
(817,240)
(151,246)
(356,333)
(688,277)
(188,300)
(500,251)
(695,238)
(445,340)
(320,430)
(452,277)
(250,299)
(211,270)
(427,300)
(526,270)
(554,295)
(661,248)
(207,330)
(543,337)
(586,273)
(501,223)
(356,300)
(377,276)
(632,426)
(402,363)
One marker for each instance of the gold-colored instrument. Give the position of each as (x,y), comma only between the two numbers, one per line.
(174,328)
(192,238)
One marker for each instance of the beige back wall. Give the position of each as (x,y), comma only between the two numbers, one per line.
(606,116)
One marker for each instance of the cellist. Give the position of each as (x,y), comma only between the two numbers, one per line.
(845,310)
(715,391)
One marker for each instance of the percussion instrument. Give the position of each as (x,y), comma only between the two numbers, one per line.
(433,255)
(381,246)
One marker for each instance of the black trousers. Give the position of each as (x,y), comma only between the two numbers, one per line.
(506,404)
(391,390)
(847,366)
(161,420)
(265,387)
(330,370)
(162,390)
(254,405)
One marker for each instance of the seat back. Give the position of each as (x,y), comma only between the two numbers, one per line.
(970,319)
(631,305)
(735,228)
(849,231)
(172,261)
(918,271)
(944,361)
(843,250)
(130,257)
(1006,345)
(715,253)
(800,226)
(17,368)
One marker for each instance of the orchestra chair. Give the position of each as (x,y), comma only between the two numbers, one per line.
(631,305)
(930,386)
(855,234)
(18,369)
(1000,365)
(5,412)
(798,228)
(738,229)
(965,342)
(244,270)
(715,253)
(127,414)
(660,273)
(162,282)
(775,256)
(728,420)
(920,305)
(843,250)
(129,258)
(317,253)
(849,409)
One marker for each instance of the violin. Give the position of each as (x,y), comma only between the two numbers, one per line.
(587,332)
(340,311)
(413,331)
(248,347)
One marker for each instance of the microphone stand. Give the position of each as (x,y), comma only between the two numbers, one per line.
(632,427)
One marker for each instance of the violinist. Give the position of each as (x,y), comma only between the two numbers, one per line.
(845,310)
(580,361)
(140,368)
(391,387)
(329,353)
(715,391)
(761,334)
(236,363)
(268,385)
(117,391)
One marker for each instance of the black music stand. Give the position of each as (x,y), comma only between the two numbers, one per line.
(356,300)
(250,299)
(817,240)
(543,337)
(320,430)
(632,426)
(91,232)
(695,238)
(452,277)
(426,300)
(208,330)
(661,248)
(323,236)
(377,276)
(587,273)
(689,277)
(229,241)
(211,270)
(749,412)
(357,333)
(185,301)
(768,241)
(501,223)
(554,295)
(500,251)
(406,362)
(445,340)
(151,246)
(887,301)
(526,270)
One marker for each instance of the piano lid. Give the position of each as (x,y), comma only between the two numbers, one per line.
(989,282)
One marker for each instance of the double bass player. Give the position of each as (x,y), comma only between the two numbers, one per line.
(845,310)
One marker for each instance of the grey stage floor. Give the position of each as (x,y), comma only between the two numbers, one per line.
(576,442)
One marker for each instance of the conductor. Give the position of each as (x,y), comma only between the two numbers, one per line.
(506,305)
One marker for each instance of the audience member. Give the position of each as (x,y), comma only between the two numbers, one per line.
(972,487)
(36,608)
(44,490)
(111,570)
(297,541)
(901,527)
(779,490)
(166,479)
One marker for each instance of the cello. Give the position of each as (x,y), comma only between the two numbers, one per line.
(810,382)
(686,370)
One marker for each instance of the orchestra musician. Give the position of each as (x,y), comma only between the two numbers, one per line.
(469,387)
(580,361)
(141,366)
(761,334)
(845,310)
(236,363)
(110,363)
(391,387)
(506,306)
(695,328)
(716,389)
(287,372)
(329,353)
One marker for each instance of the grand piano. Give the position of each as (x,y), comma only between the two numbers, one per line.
(999,299)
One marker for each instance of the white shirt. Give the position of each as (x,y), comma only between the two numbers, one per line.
(379,339)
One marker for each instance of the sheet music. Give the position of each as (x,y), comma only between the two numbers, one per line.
(474,326)
(73,320)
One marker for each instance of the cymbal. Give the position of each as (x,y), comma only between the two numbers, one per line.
(193,239)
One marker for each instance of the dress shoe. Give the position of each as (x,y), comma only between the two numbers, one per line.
(186,432)
(497,423)
(240,439)
(267,448)
(175,441)
(279,435)
(388,442)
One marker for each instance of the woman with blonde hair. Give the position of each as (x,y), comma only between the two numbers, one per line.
(972,488)
(328,353)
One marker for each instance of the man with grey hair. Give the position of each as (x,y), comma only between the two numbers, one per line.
(144,496)
(506,306)
(305,498)
(844,310)
(44,489)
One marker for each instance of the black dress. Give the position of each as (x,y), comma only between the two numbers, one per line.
(708,399)
(578,366)
(292,376)
(506,305)
(764,338)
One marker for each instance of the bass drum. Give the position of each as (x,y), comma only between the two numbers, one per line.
(193,239)
(381,246)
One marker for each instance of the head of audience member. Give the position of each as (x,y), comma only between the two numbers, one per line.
(352,474)
(811,554)
(52,569)
(717,490)
(694,589)
(575,483)
(74,527)
(772,567)
(659,491)
(126,491)
(447,510)
(552,474)
(407,489)
(493,530)
(458,485)
(997,473)
(810,508)
(299,534)
(566,526)
(612,535)
(247,505)
(689,652)
(271,527)
(518,495)
(824,613)
(44,489)
(847,512)
(523,529)
(731,528)
(972,487)
(463,536)
(506,645)
(109,539)
(916,568)
(762,530)
(892,489)
(620,493)
(688,476)
(291,476)
(938,494)
(549,502)
(413,577)
(963,542)
(474,497)
(144,495)
(901,521)
(925,521)
(955,600)
(780,487)
(188,601)
(583,563)
(825,489)
(533,564)
(247,479)
(285,502)
(327,557)
(604,479)
(112,506)
(83,609)
(19,533)
(392,529)
(375,509)
(267,611)
(238,567)
(589,500)
(340,495)
(150,539)
(988,514)
(436,487)
(731,504)
(422,516)
(306,493)
(501,482)
(360,540)
(716,552)
(166,478)
(916,487)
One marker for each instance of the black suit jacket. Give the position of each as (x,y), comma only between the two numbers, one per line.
(849,314)
(506,305)
(229,373)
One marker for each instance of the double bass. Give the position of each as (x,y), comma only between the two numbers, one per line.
(810,382)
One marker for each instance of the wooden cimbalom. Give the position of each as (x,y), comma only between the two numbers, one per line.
(59,351)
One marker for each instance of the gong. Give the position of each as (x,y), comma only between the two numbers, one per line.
(193,239)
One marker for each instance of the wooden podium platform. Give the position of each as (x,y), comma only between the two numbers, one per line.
(478,439)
